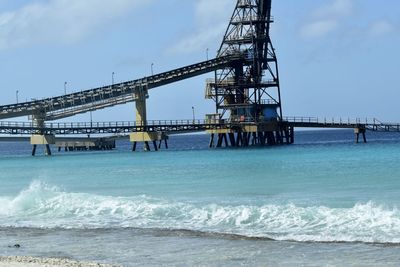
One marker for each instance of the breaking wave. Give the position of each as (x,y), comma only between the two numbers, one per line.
(43,206)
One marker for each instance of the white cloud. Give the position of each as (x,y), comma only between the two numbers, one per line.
(380,28)
(338,8)
(63,21)
(199,41)
(212,19)
(210,11)
(327,19)
(319,28)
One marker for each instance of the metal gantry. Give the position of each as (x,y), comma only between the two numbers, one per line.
(249,90)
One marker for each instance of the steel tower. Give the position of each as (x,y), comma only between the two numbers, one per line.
(248,91)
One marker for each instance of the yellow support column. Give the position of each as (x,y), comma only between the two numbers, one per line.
(40,138)
(141,120)
(141,112)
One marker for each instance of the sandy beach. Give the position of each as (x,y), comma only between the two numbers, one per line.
(19,261)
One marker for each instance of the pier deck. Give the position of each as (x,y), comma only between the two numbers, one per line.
(223,132)
(185,126)
(367,124)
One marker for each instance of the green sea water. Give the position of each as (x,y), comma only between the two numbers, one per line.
(324,190)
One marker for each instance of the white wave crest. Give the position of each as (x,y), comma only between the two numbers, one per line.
(49,207)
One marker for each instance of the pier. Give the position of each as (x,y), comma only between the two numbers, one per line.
(245,89)
(222,132)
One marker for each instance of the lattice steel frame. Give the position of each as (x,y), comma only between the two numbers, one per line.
(253,83)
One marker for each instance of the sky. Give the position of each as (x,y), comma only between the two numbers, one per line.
(337,58)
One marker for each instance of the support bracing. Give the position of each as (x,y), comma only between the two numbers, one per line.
(362,131)
(248,90)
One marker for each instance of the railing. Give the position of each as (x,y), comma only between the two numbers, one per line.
(338,121)
(301,119)
(114,124)
(370,124)
(269,102)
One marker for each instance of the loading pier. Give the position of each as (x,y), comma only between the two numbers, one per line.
(155,134)
(245,89)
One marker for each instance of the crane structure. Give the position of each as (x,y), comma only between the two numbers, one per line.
(247,93)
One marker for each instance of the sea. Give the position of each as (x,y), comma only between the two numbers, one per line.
(323,201)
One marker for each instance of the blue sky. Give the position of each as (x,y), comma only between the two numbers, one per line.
(337,57)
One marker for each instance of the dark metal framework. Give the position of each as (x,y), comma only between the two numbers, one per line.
(244,90)
(121,127)
(60,107)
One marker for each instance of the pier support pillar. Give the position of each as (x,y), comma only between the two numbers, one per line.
(34,147)
(140,104)
(252,134)
(358,132)
(43,140)
(221,137)
(232,139)
(291,132)
(147,146)
(146,138)
(212,140)
(155,145)
(40,137)
(85,144)
(134,146)
(219,142)
(48,150)
(166,142)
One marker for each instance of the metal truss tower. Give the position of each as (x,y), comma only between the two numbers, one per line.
(248,91)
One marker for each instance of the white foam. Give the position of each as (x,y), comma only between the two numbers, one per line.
(44,206)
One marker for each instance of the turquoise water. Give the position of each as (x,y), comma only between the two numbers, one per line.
(323,189)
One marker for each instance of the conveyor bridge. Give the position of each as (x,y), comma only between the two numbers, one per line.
(64,106)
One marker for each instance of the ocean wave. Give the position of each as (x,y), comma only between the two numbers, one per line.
(44,206)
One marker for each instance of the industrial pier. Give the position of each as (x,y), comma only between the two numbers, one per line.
(245,89)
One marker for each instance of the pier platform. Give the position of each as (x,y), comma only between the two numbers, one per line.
(222,132)
(85,144)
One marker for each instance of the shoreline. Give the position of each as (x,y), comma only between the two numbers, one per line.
(27,261)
